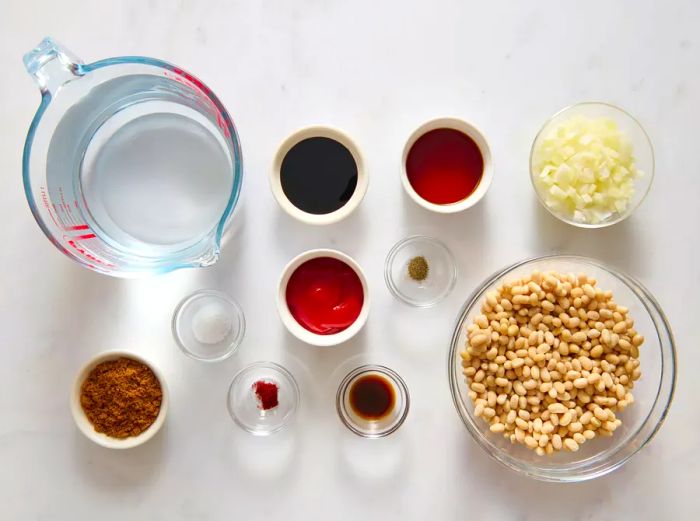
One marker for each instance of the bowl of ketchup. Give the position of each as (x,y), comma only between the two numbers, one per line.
(322,297)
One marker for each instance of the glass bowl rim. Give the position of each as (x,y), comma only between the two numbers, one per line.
(651,173)
(237,312)
(391,375)
(296,396)
(391,256)
(668,363)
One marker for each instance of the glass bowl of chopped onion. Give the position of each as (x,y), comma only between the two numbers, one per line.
(636,420)
(592,164)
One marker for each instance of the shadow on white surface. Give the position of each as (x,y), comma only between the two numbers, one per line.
(464,233)
(415,215)
(323,361)
(296,237)
(267,458)
(417,332)
(309,387)
(120,470)
(578,500)
(236,225)
(372,463)
(619,244)
(232,239)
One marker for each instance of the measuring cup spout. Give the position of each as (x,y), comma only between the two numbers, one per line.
(52,66)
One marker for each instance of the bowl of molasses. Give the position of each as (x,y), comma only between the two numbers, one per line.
(372,401)
(318,175)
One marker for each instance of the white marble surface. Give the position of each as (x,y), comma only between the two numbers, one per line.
(377,70)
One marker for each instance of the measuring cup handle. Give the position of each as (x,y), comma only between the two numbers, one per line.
(52,65)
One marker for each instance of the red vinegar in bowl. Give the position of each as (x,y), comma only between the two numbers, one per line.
(444,166)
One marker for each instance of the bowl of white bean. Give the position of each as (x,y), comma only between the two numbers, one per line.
(562,368)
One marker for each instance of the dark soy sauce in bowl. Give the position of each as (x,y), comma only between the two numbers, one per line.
(318,175)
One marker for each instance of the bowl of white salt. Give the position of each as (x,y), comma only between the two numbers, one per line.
(208,325)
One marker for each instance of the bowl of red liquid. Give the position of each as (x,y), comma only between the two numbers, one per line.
(446,166)
(322,297)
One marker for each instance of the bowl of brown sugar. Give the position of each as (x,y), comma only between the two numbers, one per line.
(119,400)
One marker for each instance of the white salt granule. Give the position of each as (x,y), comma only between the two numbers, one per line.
(210,324)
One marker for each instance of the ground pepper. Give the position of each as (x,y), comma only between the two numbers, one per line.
(418,268)
(121,397)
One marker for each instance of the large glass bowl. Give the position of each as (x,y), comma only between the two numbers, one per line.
(640,421)
(642,150)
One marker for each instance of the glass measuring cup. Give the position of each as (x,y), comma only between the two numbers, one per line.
(131,165)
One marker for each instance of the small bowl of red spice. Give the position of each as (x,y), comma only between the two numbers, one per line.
(446,165)
(322,297)
(119,400)
(263,398)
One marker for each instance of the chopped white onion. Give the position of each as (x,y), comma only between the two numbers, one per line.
(586,169)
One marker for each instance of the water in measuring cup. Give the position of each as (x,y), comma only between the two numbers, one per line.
(147,171)
(156,175)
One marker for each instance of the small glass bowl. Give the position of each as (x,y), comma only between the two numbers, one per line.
(373,428)
(442,271)
(643,152)
(243,404)
(653,392)
(190,328)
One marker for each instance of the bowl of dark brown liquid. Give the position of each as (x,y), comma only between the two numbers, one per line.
(318,175)
(372,401)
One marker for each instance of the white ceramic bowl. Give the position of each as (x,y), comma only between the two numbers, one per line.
(276,184)
(87,428)
(486,178)
(297,329)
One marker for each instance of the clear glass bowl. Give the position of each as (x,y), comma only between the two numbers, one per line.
(243,403)
(208,325)
(442,271)
(642,150)
(640,421)
(373,428)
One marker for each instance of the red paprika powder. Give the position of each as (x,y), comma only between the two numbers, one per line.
(267,394)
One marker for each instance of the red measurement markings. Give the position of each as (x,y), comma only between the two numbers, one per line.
(47,205)
(204,92)
(73,243)
(68,211)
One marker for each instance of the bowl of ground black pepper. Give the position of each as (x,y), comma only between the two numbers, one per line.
(420,271)
(119,400)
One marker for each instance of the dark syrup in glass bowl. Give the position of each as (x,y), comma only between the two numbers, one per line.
(372,397)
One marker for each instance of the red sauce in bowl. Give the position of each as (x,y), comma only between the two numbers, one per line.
(325,295)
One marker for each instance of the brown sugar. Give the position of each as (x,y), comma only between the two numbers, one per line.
(121,397)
